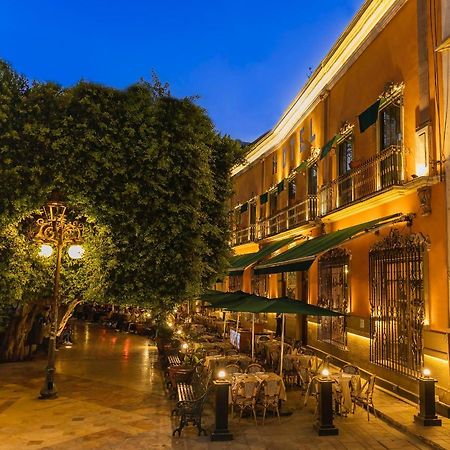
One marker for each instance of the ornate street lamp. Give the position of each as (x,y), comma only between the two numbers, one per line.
(54,231)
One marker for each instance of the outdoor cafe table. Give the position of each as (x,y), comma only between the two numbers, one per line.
(236,378)
(215,362)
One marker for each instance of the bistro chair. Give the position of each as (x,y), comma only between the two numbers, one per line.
(233,368)
(270,396)
(231,352)
(253,368)
(350,369)
(365,396)
(244,397)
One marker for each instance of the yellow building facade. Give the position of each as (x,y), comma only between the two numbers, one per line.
(355,169)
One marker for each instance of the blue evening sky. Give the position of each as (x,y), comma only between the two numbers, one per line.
(245,59)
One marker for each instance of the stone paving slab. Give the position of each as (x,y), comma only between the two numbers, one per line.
(112,397)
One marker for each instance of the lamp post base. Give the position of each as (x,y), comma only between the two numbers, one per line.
(428,421)
(218,435)
(49,390)
(329,430)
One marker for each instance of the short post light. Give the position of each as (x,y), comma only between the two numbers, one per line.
(222,386)
(324,425)
(427,401)
(53,231)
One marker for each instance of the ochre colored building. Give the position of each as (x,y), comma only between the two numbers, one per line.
(344,202)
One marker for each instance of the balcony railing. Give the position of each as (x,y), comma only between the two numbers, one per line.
(290,218)
(244,235)
(379,172)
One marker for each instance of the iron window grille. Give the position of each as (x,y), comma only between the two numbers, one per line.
(334,294)
(397,302)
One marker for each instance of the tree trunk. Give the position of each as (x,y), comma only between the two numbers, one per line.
(13,345)
(67,315)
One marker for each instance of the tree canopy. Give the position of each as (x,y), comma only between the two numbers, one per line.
(148,174)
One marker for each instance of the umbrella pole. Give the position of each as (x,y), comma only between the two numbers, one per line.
(237,321)
(282,346)
(224,324)
(253,336)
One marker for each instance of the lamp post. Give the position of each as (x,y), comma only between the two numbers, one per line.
(324,425)
(427,403)
(54,231)
(221,432)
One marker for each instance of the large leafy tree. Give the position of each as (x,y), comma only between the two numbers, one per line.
(146,172)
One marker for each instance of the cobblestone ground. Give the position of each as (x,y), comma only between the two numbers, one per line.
(111,396)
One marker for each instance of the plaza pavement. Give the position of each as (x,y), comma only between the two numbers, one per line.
(111,396)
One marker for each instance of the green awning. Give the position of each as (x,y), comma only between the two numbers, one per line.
(328,146)
(224,300)
(303,165)
(301,257)
(368,117)
(242,302)
(263,198)
(280,187)
(244,207)
(239,262)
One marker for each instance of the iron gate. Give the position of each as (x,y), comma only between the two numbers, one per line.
(396,271)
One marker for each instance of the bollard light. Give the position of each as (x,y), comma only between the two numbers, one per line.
(324,424)
(222,387)
(427,401)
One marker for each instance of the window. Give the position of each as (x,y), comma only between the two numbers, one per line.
(284,156)
(260,285)
(274,164)
(312,180)
(312,136)
(292,149)
(334,294)
(345,183)
(302,140)
(291,285)
(397,302)
(235,283)
(390,126)
(292,190)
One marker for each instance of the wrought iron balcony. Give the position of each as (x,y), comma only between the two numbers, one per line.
(292,217)
(243,235)
(381,171)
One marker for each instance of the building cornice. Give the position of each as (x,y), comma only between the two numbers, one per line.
(373,16)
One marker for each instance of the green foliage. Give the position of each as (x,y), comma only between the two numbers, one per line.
(148,173)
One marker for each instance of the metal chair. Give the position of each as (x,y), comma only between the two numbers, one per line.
(365,396)
(244,396)
(253,368)
(350,369)
(270,396)
(233,368)
(231,352)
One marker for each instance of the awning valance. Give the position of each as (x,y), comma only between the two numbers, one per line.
(240,262)
(301,257)
(243,302)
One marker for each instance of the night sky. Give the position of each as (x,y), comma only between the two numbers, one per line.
(245,59)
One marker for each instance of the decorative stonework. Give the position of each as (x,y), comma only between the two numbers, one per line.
(346,129)
(315,153)
(393,92)
(424,194)
(395,239)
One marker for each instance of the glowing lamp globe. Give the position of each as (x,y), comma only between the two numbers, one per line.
(426,372)
(221,374)
(184,346)
(325,372)
(76,251)
(45,251)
